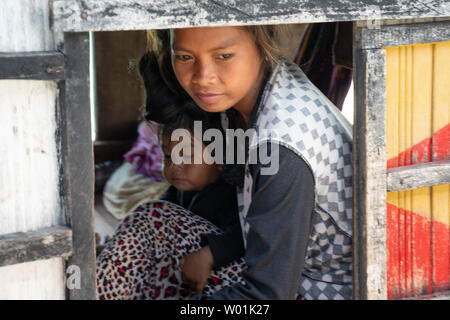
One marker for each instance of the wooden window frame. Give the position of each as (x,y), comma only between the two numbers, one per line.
(371,178)
(75,18)
(74,241)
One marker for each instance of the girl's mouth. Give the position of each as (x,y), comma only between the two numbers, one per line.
(208,98)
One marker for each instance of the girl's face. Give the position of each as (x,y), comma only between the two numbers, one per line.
(219,67)
(187,176)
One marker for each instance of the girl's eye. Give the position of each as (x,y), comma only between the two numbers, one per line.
(224,56)
(183,57)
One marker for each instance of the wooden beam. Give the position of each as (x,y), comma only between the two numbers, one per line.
(40,65)
(41,244)
(77,162)
(369,179)
(93,15)
(405,34)
(441,295)
(418,176)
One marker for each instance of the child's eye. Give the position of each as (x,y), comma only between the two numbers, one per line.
(224,56)
(183,57)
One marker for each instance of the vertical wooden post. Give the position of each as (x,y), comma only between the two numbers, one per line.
(369,185)
(77,162)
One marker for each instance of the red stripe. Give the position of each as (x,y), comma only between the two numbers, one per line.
(418,259)
(436,148)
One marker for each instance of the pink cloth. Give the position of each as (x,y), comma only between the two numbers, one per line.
(146,154)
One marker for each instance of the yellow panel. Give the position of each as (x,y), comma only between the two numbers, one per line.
(392,113)
(441,85)
(417,125)
(421,108)
(441,119)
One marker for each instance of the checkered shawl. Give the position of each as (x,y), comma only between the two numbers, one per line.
(298,116)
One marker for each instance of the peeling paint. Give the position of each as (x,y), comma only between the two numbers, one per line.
(157,14)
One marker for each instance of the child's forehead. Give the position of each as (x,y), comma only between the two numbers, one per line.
(188,139)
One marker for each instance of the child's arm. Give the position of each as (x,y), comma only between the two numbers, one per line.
(221,249)
(196,268)
(226,247)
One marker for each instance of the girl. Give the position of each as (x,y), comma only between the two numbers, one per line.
(296,223)
(196,187)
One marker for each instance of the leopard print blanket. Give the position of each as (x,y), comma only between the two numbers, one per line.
(141,261)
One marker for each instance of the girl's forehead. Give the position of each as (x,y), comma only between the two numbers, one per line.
(210,38)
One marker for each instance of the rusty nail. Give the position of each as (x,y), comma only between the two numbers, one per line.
(54,69)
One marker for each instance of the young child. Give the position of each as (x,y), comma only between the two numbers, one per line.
(199,188)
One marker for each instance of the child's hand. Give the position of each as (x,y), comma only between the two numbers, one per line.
(196,268)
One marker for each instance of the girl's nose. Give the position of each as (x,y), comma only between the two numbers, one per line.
(205,74)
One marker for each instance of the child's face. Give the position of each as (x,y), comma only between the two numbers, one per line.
(219,67)
(188,176)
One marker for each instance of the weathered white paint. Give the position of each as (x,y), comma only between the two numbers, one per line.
(25,26)
(100,15)
(43,279)
(29,191)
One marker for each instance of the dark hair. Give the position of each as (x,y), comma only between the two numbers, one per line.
(265,39)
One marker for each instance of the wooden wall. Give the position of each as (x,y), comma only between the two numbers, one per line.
(29,181)
(418,131)
(119,91)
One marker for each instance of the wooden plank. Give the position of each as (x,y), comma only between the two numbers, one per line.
(393,240)
(443,295)
(77,162)
(418,176)
(369,163)
(418,104)
(398,35)
(41,244)
(40,65)
(421,115)
(440,151)
(25,26)
(120,92)
(93,15)
(29,159)
(34,280)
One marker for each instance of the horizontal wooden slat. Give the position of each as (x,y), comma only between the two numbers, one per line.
(41,244)
(39,65)
(405,34)
(95,15)
(442,295)
(418,176)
